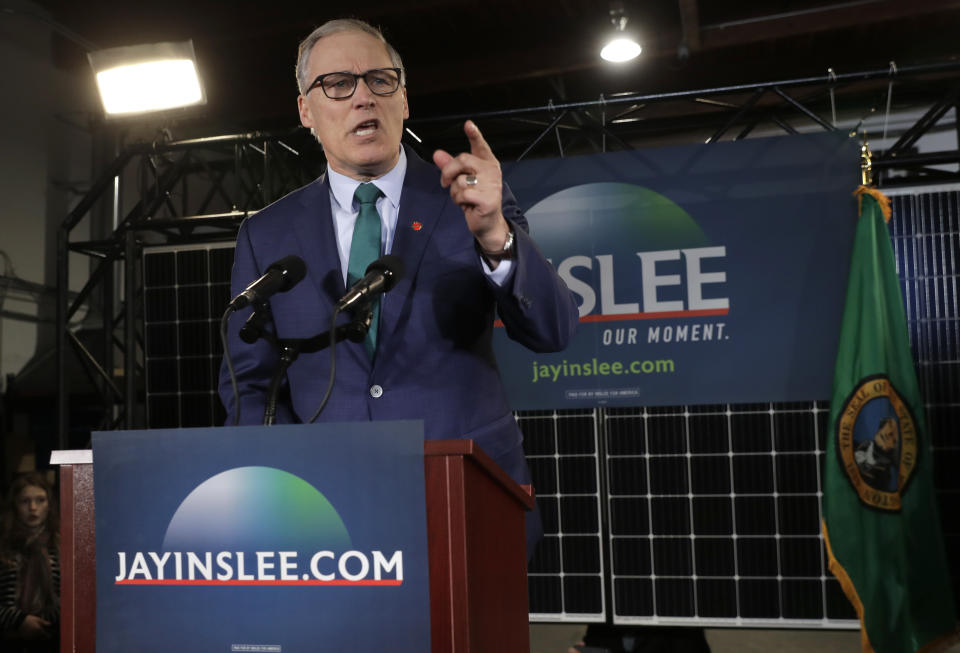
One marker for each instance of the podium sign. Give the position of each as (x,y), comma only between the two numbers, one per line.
(279,540)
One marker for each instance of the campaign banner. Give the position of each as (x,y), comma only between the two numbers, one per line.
(282,539)
(704,274)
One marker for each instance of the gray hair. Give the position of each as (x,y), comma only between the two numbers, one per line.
(334,27)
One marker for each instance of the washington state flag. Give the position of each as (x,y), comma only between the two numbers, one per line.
(880,514)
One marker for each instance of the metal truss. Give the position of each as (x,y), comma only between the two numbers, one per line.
(919,167)
(201,189)
(178,192)
(732,113)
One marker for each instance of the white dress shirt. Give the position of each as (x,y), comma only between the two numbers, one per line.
(345,211)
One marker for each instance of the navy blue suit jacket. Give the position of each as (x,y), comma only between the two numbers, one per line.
(434,356)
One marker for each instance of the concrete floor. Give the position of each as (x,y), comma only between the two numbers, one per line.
(557,638)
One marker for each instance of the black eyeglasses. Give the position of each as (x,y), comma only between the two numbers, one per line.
(340,86)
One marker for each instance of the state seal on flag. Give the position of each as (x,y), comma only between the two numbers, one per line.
(877,442)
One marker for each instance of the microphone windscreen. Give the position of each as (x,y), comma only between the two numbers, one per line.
(391,264)
(293,269)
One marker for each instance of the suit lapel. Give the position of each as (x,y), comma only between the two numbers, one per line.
(421,206)
(318,246)
(318,242)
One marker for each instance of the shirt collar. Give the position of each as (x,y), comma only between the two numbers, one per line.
(390,184)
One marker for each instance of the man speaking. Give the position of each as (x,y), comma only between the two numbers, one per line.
(464,247)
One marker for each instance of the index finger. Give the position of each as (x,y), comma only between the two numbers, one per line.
(478,145)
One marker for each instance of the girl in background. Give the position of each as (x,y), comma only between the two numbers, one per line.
(30,568)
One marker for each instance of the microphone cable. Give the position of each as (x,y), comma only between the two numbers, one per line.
(226,357)
(333,365)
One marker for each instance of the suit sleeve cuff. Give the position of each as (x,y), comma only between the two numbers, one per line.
(502,274)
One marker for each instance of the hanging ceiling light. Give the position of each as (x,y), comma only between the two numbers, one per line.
(620,46)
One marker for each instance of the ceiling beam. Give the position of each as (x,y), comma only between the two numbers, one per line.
(537,61)
(828,18)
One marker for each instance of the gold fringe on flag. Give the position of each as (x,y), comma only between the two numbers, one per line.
(841,574)
(882,200)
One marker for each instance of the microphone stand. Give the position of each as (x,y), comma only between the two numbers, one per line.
(290,349)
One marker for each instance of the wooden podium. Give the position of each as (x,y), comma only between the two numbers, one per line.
(475,537)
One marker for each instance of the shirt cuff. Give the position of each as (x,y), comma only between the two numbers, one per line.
(503,272)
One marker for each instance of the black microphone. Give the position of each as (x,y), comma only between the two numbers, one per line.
(252,329)
(281,276)
(381,276)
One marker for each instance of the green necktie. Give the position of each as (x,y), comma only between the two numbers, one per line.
(365,249)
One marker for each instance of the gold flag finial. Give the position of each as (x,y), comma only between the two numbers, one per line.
(866,164)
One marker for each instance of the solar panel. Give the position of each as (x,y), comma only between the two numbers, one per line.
(186,289)
(715,515)
(926,242)
(566,576)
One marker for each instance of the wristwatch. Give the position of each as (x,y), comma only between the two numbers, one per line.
(506,252)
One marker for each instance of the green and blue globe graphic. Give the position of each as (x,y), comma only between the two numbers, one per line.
(628,217)
(256,509)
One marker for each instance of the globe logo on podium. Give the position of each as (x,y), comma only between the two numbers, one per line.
(256,509)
